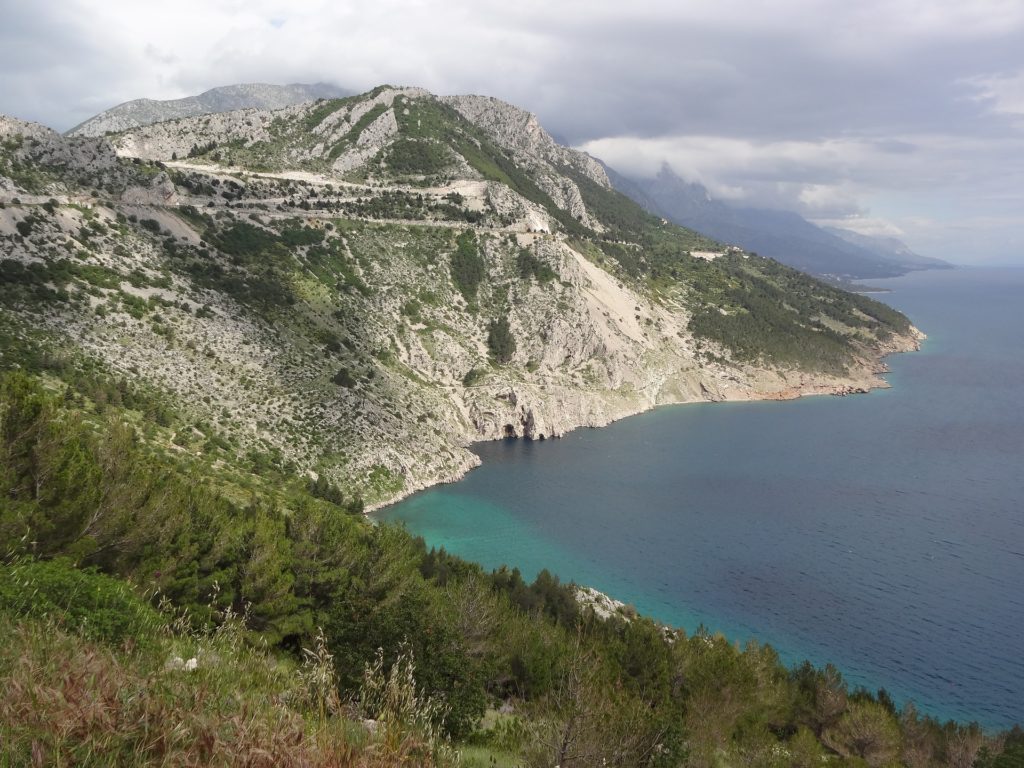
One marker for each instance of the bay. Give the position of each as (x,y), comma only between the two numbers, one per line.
(883,532)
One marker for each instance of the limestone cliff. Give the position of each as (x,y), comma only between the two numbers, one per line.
(321,284)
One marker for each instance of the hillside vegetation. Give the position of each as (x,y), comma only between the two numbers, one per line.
(289,631)
(223,338)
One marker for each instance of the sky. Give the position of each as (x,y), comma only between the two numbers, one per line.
(901,117)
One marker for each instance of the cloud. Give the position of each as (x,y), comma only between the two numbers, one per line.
(890,186)
(809,176)
(782,70)
(1001,93)
(828,106)
(864,225)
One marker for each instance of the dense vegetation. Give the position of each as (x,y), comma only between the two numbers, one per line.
(763,311)
(245,567)
(500,341)
(467,266)
(417,156)
(530,266)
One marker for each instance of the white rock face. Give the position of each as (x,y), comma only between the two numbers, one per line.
(176,138)
(379,131)
(528,217)
(601,604)
(354,158)
(160,191)
(566,195)
(520,131)
(246,128)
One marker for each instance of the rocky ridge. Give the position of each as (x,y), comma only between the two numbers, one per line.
(296,285)
(520,132)
(349,137)
(132,114)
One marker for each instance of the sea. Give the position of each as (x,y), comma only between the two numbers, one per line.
(882,532)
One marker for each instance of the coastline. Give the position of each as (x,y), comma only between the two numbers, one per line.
(611,598)
(865,377)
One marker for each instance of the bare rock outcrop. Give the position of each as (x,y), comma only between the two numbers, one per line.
(159,191)
(520,131)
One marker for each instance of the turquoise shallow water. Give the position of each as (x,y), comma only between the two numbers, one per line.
(882,532)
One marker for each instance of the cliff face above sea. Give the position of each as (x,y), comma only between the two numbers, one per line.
(362,287)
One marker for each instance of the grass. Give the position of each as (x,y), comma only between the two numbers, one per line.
(70,701)
(169,695)
(485,757)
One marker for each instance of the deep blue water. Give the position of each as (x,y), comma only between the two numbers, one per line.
(881,532)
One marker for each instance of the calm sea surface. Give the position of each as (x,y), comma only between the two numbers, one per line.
(881,532)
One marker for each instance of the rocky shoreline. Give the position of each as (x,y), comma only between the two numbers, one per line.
(866,377)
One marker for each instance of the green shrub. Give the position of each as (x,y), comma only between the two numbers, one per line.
(344,378)
(500,341)
(529,266)
(467,266)
(297,235)
(418,157)
(411,309)
(82,601)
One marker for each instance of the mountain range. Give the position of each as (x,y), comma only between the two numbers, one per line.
(225,335)
(782,235)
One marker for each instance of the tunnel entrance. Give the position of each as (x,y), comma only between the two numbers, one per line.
(509,431)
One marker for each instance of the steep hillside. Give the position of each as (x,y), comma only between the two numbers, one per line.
(781,235)
(358,288)
(138,112)
(241,617)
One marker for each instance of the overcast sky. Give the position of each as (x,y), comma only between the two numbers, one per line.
(899,116)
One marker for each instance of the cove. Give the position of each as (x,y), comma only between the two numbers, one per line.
(883,532)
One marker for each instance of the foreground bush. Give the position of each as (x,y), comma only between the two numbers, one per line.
(98,606)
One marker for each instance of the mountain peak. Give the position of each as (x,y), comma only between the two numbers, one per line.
(519,130)
(139,112)
(390,134)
